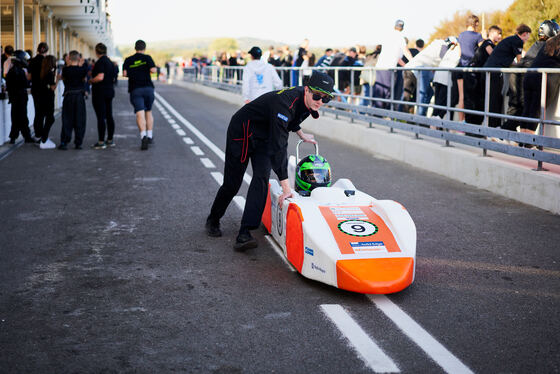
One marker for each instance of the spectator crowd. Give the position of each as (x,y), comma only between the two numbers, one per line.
(258,72)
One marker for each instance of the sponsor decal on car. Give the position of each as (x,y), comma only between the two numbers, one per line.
(315,267)
(309,251)
(368,246)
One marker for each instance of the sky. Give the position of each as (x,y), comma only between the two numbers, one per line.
(326,23)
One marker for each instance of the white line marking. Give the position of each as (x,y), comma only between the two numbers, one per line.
(172,121)
(218,177)
(176,127)
(189,141)
(181,132)
(198,134)
(207,163)
(197,151)
(367,349)
(421,337)
(240,201)
(279,252)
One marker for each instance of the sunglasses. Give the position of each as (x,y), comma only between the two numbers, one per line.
(317,97)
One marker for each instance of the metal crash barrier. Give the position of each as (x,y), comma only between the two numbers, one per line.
(542,148)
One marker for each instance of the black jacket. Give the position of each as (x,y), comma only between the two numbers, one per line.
(16,83)
(268,120)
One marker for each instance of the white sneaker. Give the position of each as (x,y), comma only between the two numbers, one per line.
(49,144)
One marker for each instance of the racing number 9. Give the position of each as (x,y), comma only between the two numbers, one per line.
(358,228)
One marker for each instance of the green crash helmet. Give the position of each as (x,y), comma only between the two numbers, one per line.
(311,172)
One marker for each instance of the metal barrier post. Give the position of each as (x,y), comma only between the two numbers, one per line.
(448,105)
(392,93)
(486,106)
(543,117)
(417,108)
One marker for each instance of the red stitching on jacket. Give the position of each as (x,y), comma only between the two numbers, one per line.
(293,102)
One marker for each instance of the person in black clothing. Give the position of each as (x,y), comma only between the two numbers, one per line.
(548,57)
(547,29)
(138,68)
(474,82)
(502,57)
(103,92)
(35,77)
(74,104)
(259,131)
(47,86)
(16,85)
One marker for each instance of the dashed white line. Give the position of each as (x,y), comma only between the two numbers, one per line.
(189,141)
(207,163)
(279,252)
(367,349)
(181,132)
(240,202)
(172,121)
(218,177)
(197,151)
(197,133)
(421,337)
(176,126)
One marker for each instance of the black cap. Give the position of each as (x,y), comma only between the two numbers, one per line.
(255,52)
(321,82)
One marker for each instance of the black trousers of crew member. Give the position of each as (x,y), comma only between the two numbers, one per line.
(103,106)
(496,98)
(39,119)
(44,104)
(18,114)
(73,117)
(234,169)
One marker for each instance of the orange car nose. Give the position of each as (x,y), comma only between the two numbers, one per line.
(375,275)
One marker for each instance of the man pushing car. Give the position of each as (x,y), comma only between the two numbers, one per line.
(259,131)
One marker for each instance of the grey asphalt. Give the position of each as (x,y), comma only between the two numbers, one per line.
(105,266)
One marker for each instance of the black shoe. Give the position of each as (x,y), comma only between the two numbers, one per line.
(63,147)
(12,141)
(244,242)
(78,146)
(30,140)
(150,141)
(213,228)
(144,145)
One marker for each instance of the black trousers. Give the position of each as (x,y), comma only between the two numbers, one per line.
(103,106)
(239,151)
(18,114)
(44,114)
(496,98)
(73,118)
(39,114)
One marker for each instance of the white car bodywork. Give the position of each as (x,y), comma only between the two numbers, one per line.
(344,237)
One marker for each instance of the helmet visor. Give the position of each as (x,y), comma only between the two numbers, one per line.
(316,175)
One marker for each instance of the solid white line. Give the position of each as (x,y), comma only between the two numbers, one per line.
(279,252)
(197,133)
(197,151)
(421,337)
(240,202)
(181,132)
(367,349)
(218,177)
(207,163)
(189,141)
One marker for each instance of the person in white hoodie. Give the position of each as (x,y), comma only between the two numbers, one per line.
(259,77)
